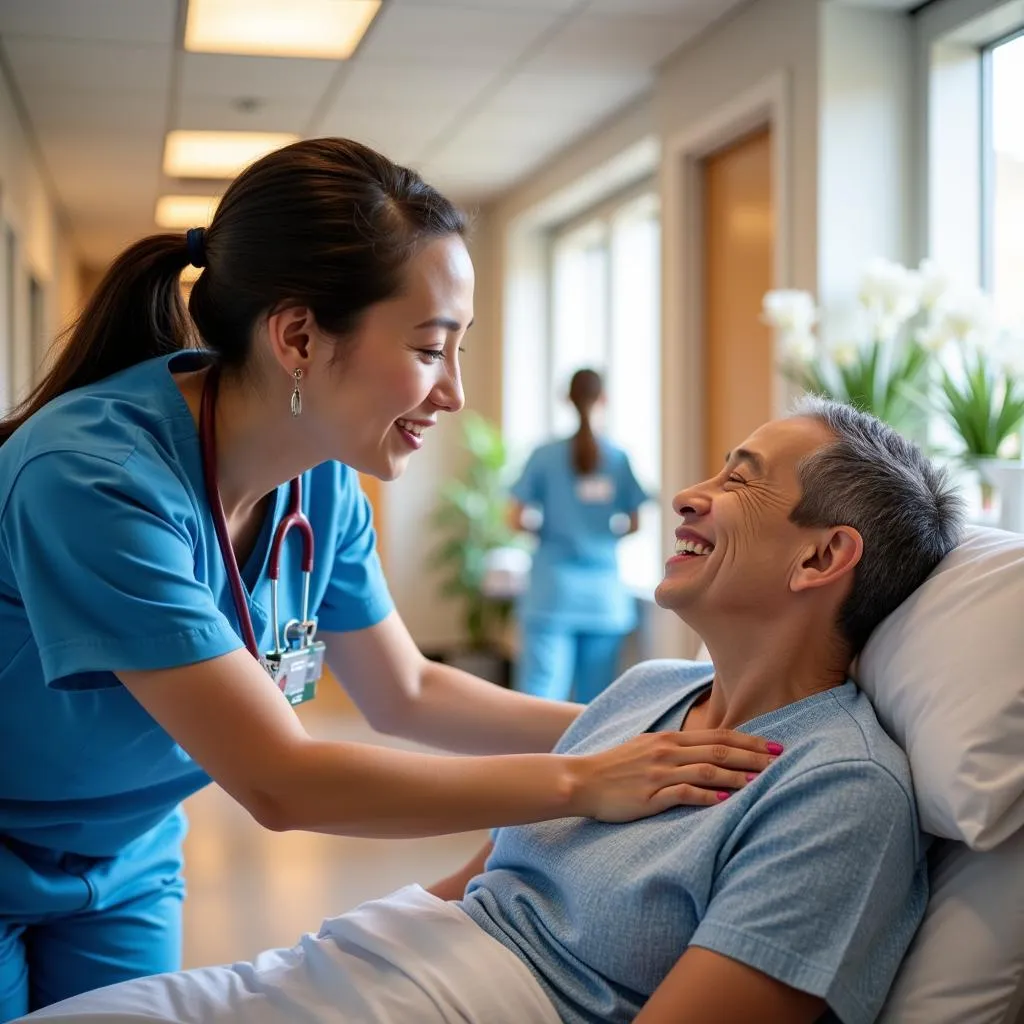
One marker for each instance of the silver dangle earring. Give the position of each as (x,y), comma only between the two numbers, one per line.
(296,393)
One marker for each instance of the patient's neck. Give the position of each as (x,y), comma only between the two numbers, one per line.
(765,666)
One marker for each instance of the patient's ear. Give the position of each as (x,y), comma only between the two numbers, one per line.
(833,554)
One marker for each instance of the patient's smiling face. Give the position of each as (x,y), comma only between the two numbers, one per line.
(737,549)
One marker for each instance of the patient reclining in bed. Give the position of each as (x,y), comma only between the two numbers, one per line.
(792,900)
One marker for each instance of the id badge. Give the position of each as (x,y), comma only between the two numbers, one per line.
(296,671)
(595,490)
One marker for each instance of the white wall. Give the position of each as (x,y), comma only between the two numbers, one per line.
(27,206)
(866,147)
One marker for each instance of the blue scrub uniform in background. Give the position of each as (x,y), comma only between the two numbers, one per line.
(109,561)
(576,611)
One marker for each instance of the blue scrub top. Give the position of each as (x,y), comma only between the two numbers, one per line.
(574,580)
(109,562)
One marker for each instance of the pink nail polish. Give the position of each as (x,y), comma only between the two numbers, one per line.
(751,776)
(774,748)
(722,796)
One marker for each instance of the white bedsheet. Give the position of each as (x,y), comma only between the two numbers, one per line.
(409,957)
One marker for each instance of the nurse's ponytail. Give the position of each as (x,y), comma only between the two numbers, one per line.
(326,224)
(136,312)
(585,391)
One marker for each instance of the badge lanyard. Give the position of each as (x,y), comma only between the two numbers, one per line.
(296,662)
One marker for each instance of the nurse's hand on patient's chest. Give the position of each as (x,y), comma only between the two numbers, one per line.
(656,771)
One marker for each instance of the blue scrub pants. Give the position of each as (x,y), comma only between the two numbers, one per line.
(70,923)
(557,663)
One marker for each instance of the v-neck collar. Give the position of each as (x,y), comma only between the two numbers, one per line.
(770,719)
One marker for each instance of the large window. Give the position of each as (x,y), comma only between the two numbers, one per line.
(604,308)
(1003,191)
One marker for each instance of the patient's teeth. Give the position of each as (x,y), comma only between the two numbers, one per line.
(693,547)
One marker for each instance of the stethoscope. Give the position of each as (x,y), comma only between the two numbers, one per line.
(296,661)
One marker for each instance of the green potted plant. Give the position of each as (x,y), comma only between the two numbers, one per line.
(471,520)
(981,396)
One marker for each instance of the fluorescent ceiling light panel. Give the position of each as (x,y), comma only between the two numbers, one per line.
(185,211)
(326,29)
(189,154)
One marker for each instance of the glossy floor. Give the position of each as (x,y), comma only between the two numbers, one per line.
(250,889)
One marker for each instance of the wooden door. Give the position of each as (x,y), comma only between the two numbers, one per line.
(738,252)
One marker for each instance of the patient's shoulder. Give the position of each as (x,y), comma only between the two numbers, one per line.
(836,735)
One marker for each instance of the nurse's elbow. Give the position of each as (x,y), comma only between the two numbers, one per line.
(269,811)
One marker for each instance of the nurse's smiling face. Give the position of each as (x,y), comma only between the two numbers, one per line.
(373,401)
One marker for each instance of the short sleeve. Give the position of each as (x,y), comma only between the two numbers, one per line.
(104,561)
(629,495)
(823,887)
(357,594)
(529,489)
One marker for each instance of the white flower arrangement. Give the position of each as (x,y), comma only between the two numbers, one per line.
(874,372)
(911,319)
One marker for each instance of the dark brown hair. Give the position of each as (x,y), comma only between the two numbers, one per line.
(585,390)
(323,223)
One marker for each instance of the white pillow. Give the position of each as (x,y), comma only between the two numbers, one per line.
(945,673)
(966,963)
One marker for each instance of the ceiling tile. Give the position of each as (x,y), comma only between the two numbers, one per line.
(614,43)
(213,113)
(519,132)
(413,91)
(125,21)
(688,8)
(130,113)
(112,176)
(95,76)
(540,92)
(469,188)
(402,137)
(492,5)
(55,64)
(227,75)
(454,36)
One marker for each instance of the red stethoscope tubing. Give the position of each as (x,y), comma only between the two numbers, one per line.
(293,518)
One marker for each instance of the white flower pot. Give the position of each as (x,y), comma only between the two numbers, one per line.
(1007,477)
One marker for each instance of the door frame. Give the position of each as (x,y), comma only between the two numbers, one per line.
(766,105)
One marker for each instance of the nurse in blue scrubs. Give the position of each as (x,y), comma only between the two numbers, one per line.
(141,487)
(576,611)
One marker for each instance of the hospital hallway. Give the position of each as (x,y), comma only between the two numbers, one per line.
(250,889)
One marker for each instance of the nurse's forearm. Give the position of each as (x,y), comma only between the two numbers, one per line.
(457,711)
(361,790)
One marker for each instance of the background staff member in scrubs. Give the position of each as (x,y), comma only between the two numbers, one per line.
(576,612)
(335,295)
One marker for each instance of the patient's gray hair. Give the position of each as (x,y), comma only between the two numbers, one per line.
(906,510)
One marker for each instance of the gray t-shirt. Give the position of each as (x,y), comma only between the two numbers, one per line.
(813,874)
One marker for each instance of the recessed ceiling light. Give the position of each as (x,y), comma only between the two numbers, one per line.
(189,154)
(327,29)
(185,211)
